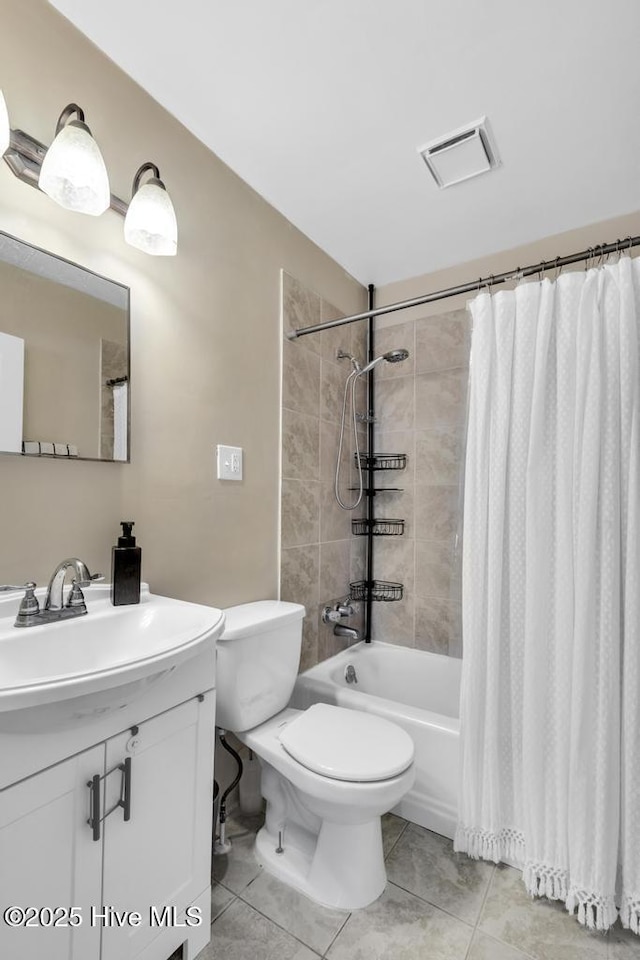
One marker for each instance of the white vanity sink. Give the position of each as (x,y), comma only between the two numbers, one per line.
(82,667)
(107,724)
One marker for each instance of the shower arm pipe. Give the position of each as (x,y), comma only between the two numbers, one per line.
(592,253)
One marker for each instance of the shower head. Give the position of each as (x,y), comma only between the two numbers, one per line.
(393,356)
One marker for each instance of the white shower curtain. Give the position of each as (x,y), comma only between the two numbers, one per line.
(550,699)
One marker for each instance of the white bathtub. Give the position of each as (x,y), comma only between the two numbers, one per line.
(420,691)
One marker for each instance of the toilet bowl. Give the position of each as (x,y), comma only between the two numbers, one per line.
(328,774)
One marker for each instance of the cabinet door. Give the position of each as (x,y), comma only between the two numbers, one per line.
(161,857)
(48,859)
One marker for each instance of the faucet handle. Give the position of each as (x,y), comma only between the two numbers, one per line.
(76,596)
(93,578)
(337,613)
(29,606)
(7,587)
(345,609)
(329,615)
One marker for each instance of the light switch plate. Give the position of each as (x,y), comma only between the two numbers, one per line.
(229,462)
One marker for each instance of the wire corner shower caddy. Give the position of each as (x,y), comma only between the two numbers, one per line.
(371,590)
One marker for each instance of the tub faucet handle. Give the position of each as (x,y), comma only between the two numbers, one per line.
(345,609)
(329,615)
(336,614)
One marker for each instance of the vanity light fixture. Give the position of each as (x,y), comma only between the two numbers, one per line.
(5,129)
(73,172)
(150,223)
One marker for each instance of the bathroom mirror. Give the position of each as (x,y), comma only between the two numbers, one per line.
(64,358)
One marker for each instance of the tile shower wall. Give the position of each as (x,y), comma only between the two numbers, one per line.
(319,556)
(421,411)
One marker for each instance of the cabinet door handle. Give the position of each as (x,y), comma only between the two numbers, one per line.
(94,820)
(125,796)
(95,817)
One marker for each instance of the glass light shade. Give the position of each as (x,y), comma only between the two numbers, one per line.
(150,224)
(73,172)
(5,130)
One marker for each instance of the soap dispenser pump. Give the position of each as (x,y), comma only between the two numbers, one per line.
(126,566)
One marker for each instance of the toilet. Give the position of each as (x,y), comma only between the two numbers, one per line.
(328,773)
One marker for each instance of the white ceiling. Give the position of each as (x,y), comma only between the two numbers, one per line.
(320,105)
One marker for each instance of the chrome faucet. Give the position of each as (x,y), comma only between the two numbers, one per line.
(54,608)
(340,612)
(54,597)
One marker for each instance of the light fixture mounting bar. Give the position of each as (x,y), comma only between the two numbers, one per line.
(24,158)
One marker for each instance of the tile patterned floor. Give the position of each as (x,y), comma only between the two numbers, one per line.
(437,905)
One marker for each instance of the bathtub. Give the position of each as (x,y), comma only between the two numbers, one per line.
(420,691)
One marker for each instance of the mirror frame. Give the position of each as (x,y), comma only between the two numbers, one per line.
(127,308)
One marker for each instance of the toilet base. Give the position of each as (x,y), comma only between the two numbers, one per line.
(341,867)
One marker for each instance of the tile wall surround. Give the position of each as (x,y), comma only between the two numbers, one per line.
(421,411)
(319,556)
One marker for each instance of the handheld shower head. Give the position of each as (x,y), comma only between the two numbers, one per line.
(393,356)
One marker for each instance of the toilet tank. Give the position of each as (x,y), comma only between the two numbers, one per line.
(257,660)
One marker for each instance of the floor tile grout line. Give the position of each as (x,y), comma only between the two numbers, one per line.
(283,928)
(484,898)
(502,943)
(237,893)
(338,933)
(394,883)
(395,842)
(478,929)
(224,909)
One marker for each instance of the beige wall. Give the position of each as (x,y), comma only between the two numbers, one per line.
(205,343)
(421,409)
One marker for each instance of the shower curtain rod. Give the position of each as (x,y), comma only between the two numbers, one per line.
(602,250)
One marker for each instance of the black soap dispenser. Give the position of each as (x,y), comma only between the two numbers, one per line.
(126,563)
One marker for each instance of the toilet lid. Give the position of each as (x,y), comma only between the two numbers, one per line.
(347,744)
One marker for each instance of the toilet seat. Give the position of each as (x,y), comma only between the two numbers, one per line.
(345,744)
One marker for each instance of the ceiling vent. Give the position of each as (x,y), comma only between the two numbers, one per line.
(460,155)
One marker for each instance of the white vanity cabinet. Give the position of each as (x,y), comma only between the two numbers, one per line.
(48,859)
(162,855)
(55,851)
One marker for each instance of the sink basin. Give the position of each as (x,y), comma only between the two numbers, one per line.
(101,660)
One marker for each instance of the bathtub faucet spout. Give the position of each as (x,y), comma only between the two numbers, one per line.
(341,611)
